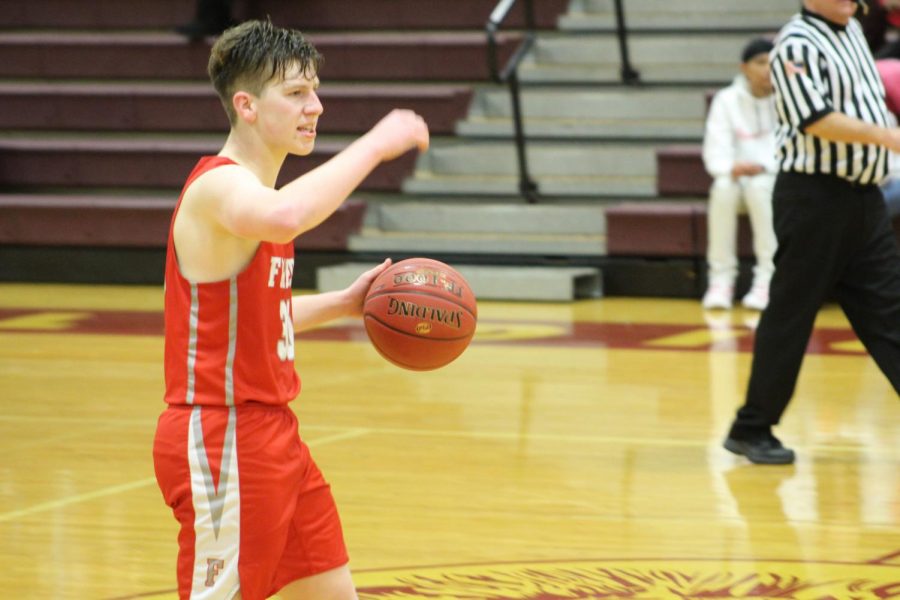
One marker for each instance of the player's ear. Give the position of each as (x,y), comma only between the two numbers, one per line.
(244,106)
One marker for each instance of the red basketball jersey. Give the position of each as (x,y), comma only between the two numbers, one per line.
(231,341)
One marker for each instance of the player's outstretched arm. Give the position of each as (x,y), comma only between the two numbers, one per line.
(252,211)
(316,309)
(331,183)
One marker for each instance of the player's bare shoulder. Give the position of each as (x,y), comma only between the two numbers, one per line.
(206,249)
(208,192)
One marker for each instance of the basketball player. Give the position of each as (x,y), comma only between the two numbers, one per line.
(256,515)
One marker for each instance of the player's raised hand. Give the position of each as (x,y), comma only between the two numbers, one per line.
(398,132)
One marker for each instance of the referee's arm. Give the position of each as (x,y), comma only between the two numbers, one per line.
(839,127)
(804,101)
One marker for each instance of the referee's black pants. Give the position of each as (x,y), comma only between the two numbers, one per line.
(834,240)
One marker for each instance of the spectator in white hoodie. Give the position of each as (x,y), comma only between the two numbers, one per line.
(739,154)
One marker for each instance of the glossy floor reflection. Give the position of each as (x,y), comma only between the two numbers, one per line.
(573,451)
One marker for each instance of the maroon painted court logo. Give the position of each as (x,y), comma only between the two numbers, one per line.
(637,579)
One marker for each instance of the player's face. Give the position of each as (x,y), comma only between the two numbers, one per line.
(756,70)
(290,110)
(836,11)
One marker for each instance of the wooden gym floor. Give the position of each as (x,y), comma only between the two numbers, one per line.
(572,452)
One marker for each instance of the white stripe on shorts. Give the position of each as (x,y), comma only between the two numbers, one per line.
(217,515)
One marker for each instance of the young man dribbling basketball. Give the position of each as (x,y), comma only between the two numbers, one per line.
(256,515)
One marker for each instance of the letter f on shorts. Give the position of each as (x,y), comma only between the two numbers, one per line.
(213,566)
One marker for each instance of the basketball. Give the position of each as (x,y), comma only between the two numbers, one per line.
(420,314)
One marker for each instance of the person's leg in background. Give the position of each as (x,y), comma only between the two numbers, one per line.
(757,192)
(721,252)
(211,17)
(875,26)
(891,191)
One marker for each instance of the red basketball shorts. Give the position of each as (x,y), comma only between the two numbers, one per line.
(255,511)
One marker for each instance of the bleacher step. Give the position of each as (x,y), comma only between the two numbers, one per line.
(193,106)
(494,218)
(663,6)
(308,15)
(708,59)
(681,171)
(592,129)
(559,284)
(147,160)
(557,159)
(665,15)
(605,187)
(567,113)
(572,169)
(369,55)
(644,21)
(517,244)
(132,220)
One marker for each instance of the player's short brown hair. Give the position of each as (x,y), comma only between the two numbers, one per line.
(249,55)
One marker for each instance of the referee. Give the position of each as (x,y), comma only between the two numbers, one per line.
(834,236)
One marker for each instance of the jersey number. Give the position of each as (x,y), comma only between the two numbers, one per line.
(286,343)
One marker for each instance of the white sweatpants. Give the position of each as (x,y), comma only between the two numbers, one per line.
(722,221)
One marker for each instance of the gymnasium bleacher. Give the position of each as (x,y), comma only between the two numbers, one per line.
(104,110)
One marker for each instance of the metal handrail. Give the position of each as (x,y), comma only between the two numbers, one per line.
(510,75)
(629,75)
(527,187)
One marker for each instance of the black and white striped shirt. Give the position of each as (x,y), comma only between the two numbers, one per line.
(819,67)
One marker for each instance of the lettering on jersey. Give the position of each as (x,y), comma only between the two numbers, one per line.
(281,272)
(422,312)
(285,348)
(213,566)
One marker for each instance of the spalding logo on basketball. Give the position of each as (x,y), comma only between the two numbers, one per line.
(420,314)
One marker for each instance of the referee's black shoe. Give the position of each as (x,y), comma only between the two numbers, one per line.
(761,448)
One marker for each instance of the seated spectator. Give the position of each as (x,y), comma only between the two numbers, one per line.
(739,154)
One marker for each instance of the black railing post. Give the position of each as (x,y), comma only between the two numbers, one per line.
(529,16)
(629,75)
(527,187)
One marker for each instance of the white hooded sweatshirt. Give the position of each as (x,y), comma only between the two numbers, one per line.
(740,128)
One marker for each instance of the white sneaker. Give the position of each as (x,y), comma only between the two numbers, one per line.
(718,296)
(757,298)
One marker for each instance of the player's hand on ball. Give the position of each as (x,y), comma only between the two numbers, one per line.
(356,293)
